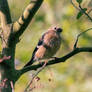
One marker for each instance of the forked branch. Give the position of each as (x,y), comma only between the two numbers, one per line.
(75,51)
(75,45)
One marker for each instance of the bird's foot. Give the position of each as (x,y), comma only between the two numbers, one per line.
(55,58)
(40,63)
(45,62)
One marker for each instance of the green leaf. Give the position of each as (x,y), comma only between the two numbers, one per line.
(79,1)
(81,13)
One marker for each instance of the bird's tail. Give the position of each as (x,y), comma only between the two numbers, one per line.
(30,62)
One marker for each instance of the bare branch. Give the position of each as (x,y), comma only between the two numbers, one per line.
(39,70)
(75,45)
(21,24)
(58,60)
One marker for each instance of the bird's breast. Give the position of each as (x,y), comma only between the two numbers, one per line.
(53,47)
(49,49)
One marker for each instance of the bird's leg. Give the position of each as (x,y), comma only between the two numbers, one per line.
(43,65)
(40,62)
(45,62)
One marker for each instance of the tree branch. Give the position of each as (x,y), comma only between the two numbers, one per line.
(20,25)
(5,16)
(75,45)
(74,5)
(33,77)
(58,60)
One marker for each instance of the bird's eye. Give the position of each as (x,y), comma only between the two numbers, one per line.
(55,28)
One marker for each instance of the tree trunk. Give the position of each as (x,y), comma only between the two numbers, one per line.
(7,69)
(10,37)
(6,79)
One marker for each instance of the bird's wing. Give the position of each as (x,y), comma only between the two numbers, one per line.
(48,38)
(45,40)
(35,50)
(41,41)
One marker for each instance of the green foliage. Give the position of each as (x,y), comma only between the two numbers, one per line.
(81,13)
(79,1)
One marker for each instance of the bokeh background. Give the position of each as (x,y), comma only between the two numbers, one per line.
(74,75)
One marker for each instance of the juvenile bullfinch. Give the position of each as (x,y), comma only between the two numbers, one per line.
(47,46)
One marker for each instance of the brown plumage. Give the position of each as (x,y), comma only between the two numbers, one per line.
(47,46)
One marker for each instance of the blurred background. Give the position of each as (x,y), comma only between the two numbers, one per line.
(74,75)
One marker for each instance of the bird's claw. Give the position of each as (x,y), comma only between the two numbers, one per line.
(55,58)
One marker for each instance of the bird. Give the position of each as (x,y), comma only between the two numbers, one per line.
(47,46)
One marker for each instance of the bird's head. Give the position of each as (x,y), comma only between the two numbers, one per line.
(57,29)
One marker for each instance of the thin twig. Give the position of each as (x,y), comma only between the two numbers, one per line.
(35,76)
(75,5)
(2,36)
(75,45)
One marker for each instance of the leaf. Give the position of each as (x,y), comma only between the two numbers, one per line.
(81,13)
(79,1)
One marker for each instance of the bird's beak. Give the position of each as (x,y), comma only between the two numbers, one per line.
(59,29)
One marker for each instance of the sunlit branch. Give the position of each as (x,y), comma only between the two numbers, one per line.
(21,24)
